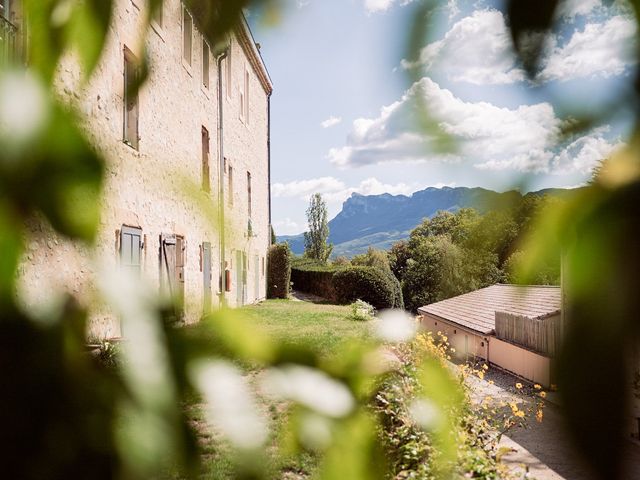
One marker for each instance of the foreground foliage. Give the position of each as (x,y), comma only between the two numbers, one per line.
(64,415)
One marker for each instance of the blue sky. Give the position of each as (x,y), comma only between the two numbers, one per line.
(346,90)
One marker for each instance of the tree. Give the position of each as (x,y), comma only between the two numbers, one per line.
(315,240)
(373,258)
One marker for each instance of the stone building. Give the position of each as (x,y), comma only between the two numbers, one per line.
(186,197)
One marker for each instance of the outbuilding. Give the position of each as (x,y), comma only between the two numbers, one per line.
(514,327)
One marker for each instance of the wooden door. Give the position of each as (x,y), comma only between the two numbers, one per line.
(172,249)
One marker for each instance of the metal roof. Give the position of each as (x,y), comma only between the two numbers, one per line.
(476,310)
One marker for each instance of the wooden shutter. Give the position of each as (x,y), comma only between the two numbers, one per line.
(130,248)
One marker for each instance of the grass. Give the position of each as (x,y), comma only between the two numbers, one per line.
(323,327)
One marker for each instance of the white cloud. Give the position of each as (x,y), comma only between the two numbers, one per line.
(372,186)
(334,191)
(374,6)
(599,49)
(488,137)
(477,49)
(570,9)
(584,153)
(331,121)
(287,226)
(304,188)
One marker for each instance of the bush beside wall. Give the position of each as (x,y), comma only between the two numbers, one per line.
(310,277)
(369,284)
(279,271)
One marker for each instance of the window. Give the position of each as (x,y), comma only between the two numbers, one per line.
(206,180)
(130,247)
(130,136)
(249,193)
(228,71)
(5,9)
(245,97)
(205,64)
(158,15)
(230,185)
(187,36)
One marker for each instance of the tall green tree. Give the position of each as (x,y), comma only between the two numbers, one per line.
(315,240)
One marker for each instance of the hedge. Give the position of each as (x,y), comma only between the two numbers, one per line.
(310,277)
(279,271)
(370,284)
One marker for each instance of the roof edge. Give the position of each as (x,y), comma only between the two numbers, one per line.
(451,322)
(538,317)
(246,40)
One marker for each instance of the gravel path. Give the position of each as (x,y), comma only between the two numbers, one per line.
(542,449)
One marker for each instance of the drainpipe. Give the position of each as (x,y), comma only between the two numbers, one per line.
(269,161)
(221,218)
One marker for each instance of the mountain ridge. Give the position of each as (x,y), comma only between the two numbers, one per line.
(380,220)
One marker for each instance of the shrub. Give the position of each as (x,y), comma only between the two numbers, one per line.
(309,276)
(362,311)
(279,271)
(369,284)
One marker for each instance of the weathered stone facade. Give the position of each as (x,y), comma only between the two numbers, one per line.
(155,193)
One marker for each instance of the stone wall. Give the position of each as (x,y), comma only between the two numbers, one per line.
(157,187)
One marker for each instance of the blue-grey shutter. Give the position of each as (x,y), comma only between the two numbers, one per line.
(130,246)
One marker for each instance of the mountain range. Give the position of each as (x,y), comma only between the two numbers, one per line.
(380,220)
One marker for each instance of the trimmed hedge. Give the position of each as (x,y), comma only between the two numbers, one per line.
(279,271)
(370,284)
(309,276)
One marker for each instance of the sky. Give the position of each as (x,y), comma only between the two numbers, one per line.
(346,115)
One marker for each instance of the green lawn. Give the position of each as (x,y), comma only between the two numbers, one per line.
(322,326)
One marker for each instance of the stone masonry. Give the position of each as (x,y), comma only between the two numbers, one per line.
(156,190)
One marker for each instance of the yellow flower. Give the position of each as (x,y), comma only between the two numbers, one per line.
(543,394)
(519,413)
(518,385)
(539,415)
(485,366)
(537,386)
(480,375)
(491,382)
(453,350)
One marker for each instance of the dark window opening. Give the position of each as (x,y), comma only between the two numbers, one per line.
(205,64)
(131,108)
(158,15)
(249,193)
(230,185)
(206,175)
(187,35)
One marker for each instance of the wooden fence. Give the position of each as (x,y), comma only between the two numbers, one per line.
(540,335)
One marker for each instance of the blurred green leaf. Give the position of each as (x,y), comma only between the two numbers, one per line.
(87,30)
(11,248)
(529,21)
(355,452)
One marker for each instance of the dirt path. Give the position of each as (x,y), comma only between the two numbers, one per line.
(543,449)
(306,297)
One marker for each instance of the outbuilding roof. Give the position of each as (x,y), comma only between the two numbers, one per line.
(476,310)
